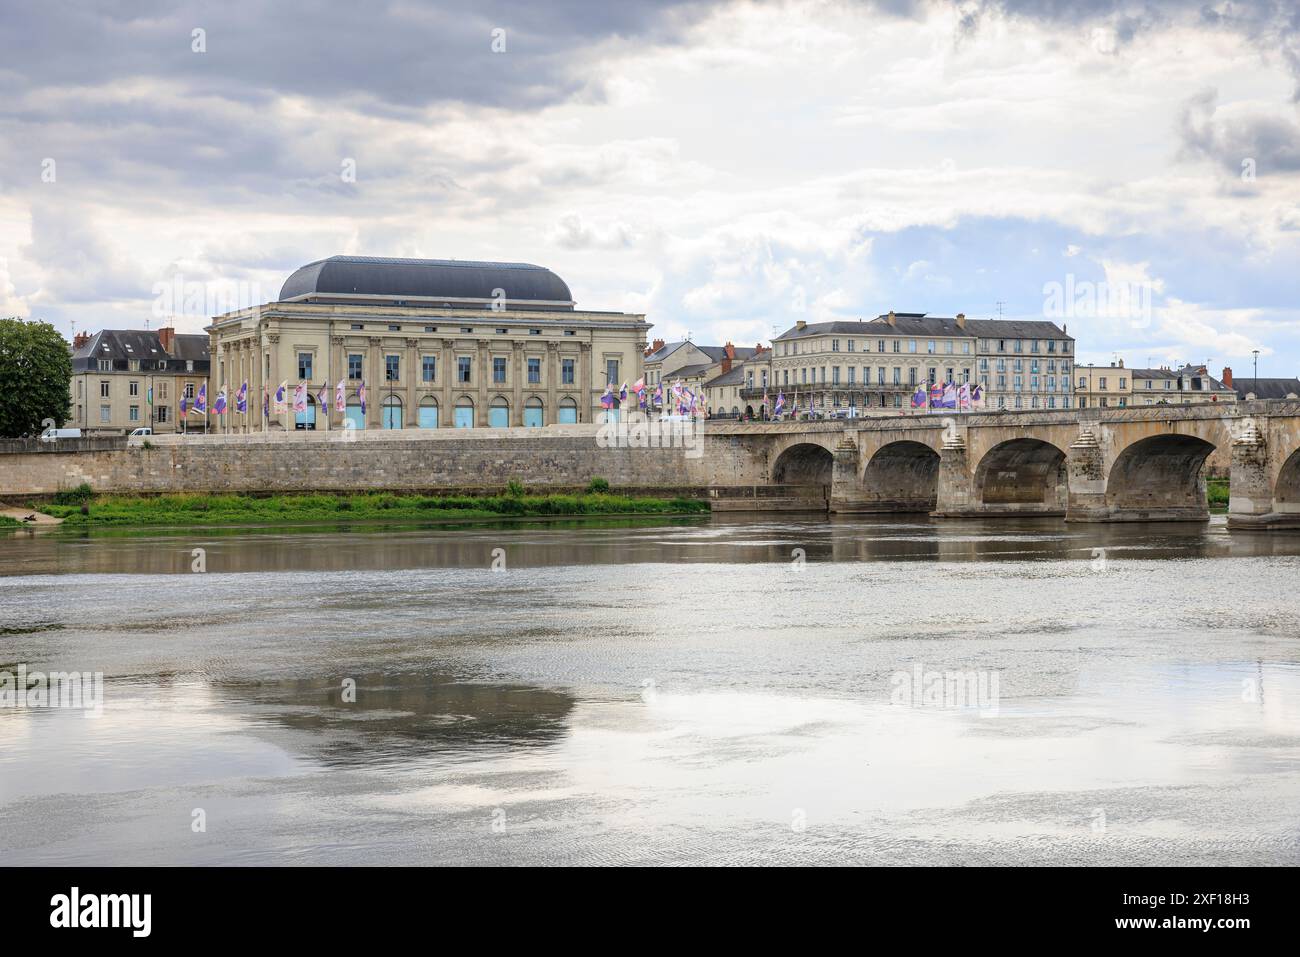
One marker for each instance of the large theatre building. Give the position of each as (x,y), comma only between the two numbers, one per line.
(437,343)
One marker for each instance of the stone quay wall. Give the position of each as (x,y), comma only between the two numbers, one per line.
(550,459)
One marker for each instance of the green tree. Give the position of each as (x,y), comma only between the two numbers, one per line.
(35,376)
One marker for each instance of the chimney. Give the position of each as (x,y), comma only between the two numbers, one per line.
(1227,377)
(80,339)
(801,324)
(961,320)
(892,320)
(759,348)
(655,347)
(167,338)
(730,350)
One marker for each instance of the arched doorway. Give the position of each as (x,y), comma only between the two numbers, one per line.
(533,415)
(1160,478)
(352,416)
(306,419)
(464,413)
(392,413)
(901,477)
(428,418)
(803,464)
(499,414)
(1023,475)
(568,412)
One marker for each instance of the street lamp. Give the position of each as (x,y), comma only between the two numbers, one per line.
(1255,388)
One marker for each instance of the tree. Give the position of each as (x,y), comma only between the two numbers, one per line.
(35,377)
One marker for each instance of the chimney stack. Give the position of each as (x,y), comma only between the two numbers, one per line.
(80,339)
(961,320)
(893,321)
(167,338)
(801,324)
(1227,376)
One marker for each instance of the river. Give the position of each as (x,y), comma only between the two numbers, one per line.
(713,690)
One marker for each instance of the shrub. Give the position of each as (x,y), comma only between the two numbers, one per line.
(515,488)
(343,505)
(80,495)
(597,486)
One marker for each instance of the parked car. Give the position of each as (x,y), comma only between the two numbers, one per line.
(142,431)
(53,435)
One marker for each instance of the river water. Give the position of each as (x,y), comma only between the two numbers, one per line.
(708,690)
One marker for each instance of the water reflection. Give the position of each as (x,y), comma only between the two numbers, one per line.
(720,539)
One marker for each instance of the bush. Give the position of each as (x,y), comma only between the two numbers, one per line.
(343,505)
(515,488)
(597,486)
(80,495)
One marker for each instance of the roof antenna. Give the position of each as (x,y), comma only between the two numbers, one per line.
(1001,303)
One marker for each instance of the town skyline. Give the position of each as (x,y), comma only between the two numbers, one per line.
(662,159)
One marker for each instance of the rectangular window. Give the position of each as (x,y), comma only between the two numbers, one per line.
(133,413)
(929,346)
(611,372)
(835,375)
(133,388)
(534,371)
(898,375)
(911,345)
(304,366)
(429,370)
(105,413)
(162,412)
(850,345)
(566,371)
(103,388)
(105,365)
(354,366)
(851,368)
(911,376)
(498,369)
(835,345)
(392,368)
(463,368)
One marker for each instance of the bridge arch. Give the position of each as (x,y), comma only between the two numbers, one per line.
(1286,490)
(901,476)
(1160,477)
(803,463)
(1023,475)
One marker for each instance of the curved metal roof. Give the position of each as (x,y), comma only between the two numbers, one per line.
(453,280)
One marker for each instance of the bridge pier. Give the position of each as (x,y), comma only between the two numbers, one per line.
(845,489)
(1251,495)
(954,497)
(1086,470)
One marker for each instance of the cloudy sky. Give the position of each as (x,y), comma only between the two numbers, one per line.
(1131,170)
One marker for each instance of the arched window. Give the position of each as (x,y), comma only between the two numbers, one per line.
(392,418)
(428,413)
(499,414)
(464,413)
(533,416)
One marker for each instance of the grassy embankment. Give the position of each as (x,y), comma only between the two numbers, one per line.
(81,507)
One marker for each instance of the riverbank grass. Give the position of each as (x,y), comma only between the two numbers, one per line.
(209,510)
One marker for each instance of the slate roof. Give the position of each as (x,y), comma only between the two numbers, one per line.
(426,279)
(120,346)
(1266,388)
(920,324)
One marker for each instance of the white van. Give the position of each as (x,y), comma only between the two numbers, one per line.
(53,435)
(145,430)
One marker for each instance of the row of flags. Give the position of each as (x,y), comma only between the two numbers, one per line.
(948,395)
(678,398)
(277,406)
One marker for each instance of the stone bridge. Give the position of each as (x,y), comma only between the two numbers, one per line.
(1087,465)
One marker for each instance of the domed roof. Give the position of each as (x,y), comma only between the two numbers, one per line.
(451,280)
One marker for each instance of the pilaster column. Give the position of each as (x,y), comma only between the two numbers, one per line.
(446,381)
(375,383)
(484,363)
(519,369)
(411,414)
(583,387)
(551,381)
